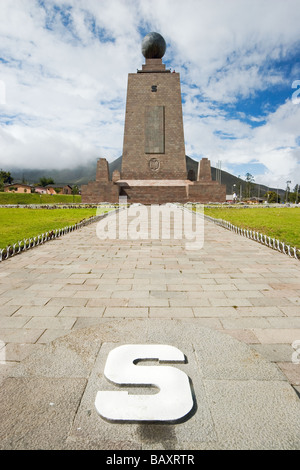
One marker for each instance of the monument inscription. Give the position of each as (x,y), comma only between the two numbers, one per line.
(155,129)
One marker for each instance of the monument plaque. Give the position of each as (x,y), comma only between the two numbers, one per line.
(154,164)
(154,129)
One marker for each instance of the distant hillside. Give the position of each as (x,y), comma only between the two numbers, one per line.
(83,174)
(259,190)
(77,175)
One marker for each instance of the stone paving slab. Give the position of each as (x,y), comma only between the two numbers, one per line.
(241,400)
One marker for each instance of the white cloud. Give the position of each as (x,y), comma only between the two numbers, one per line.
(65,69)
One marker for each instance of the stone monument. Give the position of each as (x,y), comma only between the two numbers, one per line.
(153,160)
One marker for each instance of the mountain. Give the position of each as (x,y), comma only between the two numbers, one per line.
(83,174)
(77,175)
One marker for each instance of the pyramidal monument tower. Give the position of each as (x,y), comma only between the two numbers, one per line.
(153,159)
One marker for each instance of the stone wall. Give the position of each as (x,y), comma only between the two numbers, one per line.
(207,192)
(204,171)
(155,194)
(101,190)
(95,192)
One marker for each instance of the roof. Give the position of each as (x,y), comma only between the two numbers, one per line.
(18,184)
(54,185)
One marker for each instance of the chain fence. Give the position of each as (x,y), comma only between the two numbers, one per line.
(28,243)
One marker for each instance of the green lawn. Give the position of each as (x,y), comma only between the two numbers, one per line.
(35,198)
(17,224)
(282,223)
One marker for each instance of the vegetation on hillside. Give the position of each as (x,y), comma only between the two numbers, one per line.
(44,181)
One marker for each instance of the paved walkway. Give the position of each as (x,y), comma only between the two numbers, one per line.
(231,285)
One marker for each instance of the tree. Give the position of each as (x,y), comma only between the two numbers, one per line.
(45,181)
(75,190)
(272,197)
(24,181)
(249,184)
(294,196)
(5,178)
(297,193)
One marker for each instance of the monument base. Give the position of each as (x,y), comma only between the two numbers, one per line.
(204,192)
(96,191)
(149,191)
(154,191)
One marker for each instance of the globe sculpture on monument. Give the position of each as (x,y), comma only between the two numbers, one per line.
(153,160)
(153,46)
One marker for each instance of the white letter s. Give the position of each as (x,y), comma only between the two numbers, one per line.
(174,400)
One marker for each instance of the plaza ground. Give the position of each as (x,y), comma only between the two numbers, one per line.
(232,287)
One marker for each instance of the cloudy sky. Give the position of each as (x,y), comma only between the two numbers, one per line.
(64,67)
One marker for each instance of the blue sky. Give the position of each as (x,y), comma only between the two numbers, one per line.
(64,67)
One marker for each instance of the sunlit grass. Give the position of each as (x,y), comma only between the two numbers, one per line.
(17,224)
(282,223)
(35,198)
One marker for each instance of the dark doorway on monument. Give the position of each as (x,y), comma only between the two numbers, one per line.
(191,175)
(123,193)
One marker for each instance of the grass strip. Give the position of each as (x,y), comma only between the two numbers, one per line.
(17,224)
(35,198)
(282,223)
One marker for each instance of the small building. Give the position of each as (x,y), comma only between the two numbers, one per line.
(50,190)
(67,189)
(64,189)
(255,200)
(17,188)
(40,190)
